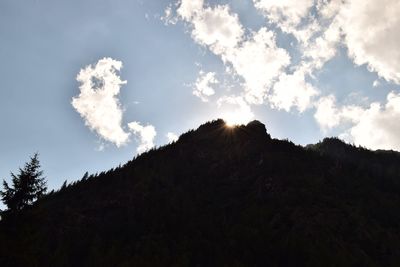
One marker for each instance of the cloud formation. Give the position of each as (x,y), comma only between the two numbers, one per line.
(374,127)
(328,115)
(144,134)
(288,14)
(203,86)
(378,127)
(255,58)
(292,90)
(172,137)
(97,102)
(99,106)
(259,62)
(371,32)
(367,29)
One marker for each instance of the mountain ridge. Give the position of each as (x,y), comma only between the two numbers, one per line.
(220,196)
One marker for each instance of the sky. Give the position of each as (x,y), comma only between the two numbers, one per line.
(90,84)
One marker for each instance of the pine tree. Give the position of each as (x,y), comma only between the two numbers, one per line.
(27,186)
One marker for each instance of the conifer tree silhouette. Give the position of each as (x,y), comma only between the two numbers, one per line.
(27,186)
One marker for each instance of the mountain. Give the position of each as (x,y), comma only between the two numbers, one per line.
(220,196)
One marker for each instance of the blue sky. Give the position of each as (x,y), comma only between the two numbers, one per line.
(307,69)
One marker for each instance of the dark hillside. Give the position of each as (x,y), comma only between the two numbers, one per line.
(379,162)
(220,196)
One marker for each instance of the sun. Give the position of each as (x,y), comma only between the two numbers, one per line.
(231,122)
(235,111)
(236,117)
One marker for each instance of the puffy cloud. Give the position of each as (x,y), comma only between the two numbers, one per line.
(217,28)
(292,90)
(97,102)
(374,127)
(328,8)
(256,58)
(314,24)
(323,47)
(144,134)
(189,8)
(259,62)
(371,29)
(235,110)
(328,115)
(172,137)
(285,13)
(203,86)
(367,28)
(378,127)
(99,106)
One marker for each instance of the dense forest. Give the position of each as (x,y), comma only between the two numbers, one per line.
(219,196)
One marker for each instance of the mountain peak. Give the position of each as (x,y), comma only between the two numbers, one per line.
(221,195)
(220,129)
(257,126)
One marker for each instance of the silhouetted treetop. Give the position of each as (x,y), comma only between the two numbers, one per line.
(27,186)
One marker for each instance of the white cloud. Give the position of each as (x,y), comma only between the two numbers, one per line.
(97,102)
(323,47)
(367,28)
(328,115)
(172,137)
(374,127)
(328,8)
(217,28)
(371,29)
(376,83)
(286,13)
(259,62)
(292,90)
(203,86)
(189,8)
(235,110)
(256,58)
(144,134)
(378,127)
(317,30)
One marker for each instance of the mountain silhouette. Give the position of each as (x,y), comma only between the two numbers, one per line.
(220,196)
